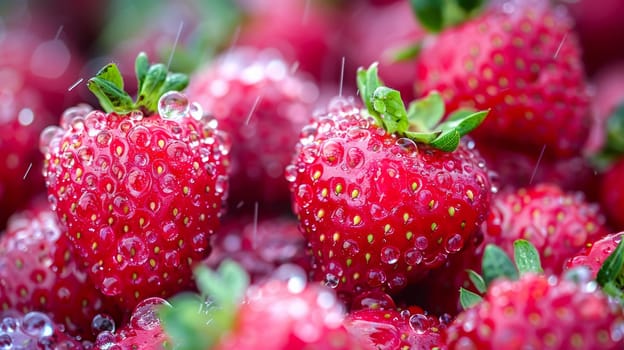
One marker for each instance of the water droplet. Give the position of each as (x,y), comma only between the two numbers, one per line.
(9,324)
(53,201)
(332,152)
(111,286)
(6,342)
(140,136)
(103,139)
(309,153)
(390,255)
(135,115)
(376,277)
(37,324)
(350,247)
(133,250)
(80,111)
(413,257)
(145,314)
(221,184)
(419,323)
(196,111)
(102,323)
(455,243)
(422,242)
(105,340)
(307,134)
(47,136)
(173,105)
(331,280)
(294,276)
(290,173)
(407,145)
(355,157)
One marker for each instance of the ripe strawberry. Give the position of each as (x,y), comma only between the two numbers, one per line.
(559,224)
(521,59)
(539,312)
(608,95)
(378,209)
(594,254)
(35,330)
(140,187)
(393,329)
(236,317)
(262,104)
(143,332)
(38,272)
(260,246)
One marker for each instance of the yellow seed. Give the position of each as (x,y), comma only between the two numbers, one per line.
(357,219)
(355,194)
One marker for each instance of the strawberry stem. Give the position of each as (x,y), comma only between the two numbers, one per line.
(153,81)
(421,122)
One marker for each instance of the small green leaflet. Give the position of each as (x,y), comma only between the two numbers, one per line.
(497,264)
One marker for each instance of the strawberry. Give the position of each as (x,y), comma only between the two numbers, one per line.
(526,309)
(236,316)
(558,223)
(393,329)
(262,104)
(595,254)
(38,272)
(521,59)
(141,186)
(35,330)
(378,209)
(608,95)
(259,245)
(539,312)
(144,331)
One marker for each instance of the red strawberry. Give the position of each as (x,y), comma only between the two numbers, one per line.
(378,209)
(608,95)
(275,315)
(262,104)
(38,272)
(595,254)
(140,187)
(559,224)
(35,330)
(521,59)
(143,332)
(260,246)
(391,329)
(539,312)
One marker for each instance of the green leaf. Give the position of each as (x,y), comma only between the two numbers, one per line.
(175,82)
(464,124)
(425,113)
(468,299)
(152,87)
(111,98)
(496,264)
(477,280)
(389,104)
(406,53)
(612,271)
(186,324)
(430,13)
(615,131)
(470,5)
(111,73)
(141,66)
(422,137)
(235,278)
(447,141)
(526,257)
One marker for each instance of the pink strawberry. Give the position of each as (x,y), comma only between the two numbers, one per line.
(594,254)
(539,312)
(38,272)
(260,246)
(520,59)
(139,187)
(35,330)
(262,104)
(393,329)
(379,204)
(558,223)
(274,315)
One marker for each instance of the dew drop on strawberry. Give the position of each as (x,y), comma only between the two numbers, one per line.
(49,137)
(145,315)
(173,105)
(102,323)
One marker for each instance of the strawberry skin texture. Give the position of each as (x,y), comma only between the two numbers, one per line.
(521,59)
(539,312)
(263,105)
(557,223)
(377,211)
(38,272)
(393,329)
(594,254)
(311,318)
(140,197)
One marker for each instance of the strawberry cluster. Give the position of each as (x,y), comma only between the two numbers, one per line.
(295,174)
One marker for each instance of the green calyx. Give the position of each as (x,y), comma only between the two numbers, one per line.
(436,15)
(496,264)
(153,82)
(422,121)
(611,275)
(198,322)
(613,148)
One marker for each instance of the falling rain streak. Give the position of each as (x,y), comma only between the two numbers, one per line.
(539,159)
(175,43)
